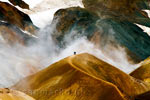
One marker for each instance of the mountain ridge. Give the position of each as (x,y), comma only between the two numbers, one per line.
(66,73)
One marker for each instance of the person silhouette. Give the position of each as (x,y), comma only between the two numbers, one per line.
(75,53)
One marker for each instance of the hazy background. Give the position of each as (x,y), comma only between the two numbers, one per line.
(19,61)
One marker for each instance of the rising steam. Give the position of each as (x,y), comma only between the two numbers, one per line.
(20,61)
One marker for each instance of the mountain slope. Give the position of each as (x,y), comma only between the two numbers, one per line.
(11,34)
(143,72)
(14,16)
(15,26)
(6,94)
(82,76)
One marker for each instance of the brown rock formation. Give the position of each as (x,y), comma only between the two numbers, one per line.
(131,10)
(20,3)
(11,34)
(113,4)
(12,15)
(82,77)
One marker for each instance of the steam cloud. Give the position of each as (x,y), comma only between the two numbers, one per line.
(20,61)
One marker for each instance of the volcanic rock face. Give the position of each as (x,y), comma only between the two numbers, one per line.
(6,94)
(20,3)
(82,77)
(13,16)
(14,25)
(11,34)
(120,9)
(103,31)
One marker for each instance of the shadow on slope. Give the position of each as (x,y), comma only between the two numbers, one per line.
(82,77)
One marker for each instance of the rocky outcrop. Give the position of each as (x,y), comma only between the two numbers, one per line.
(7,94)
(11,34)
(131,11)
(82,77)
(20,3)
(76,22)
(15,26)
(13,16)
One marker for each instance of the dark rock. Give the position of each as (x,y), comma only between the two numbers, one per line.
(131,10)
(20,3)
(145,96)
(11,34)
(13,16)
(77,22)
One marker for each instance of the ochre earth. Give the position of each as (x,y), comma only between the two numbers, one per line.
(7,94)
(143,72)
(82,77)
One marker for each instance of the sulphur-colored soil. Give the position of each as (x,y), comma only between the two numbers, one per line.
(143,72)
(82,77)
(6,94)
